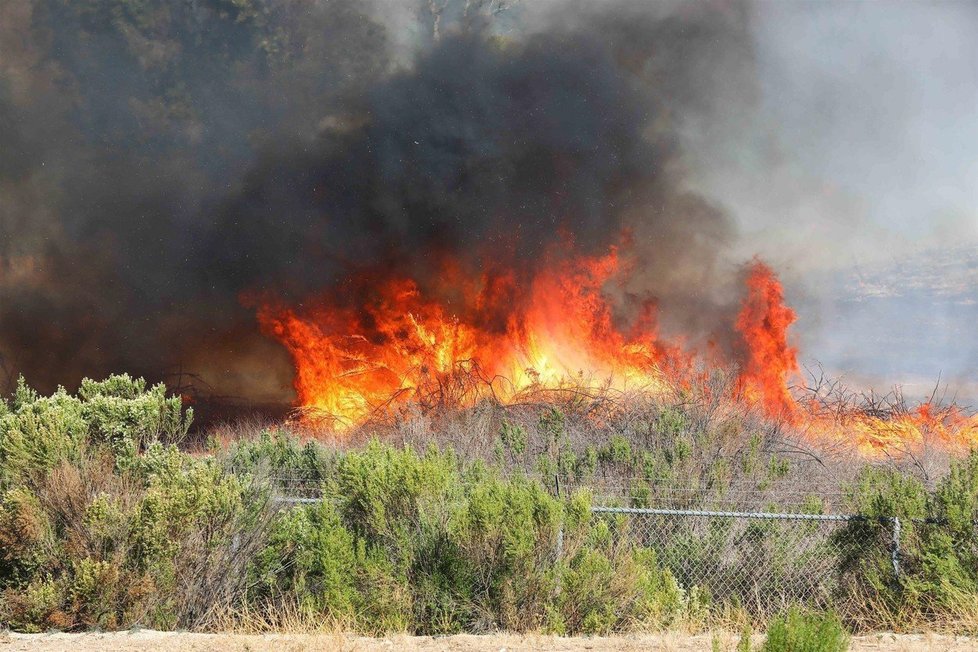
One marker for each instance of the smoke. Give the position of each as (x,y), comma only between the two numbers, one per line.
(857,161)
(124,127)
(165,162)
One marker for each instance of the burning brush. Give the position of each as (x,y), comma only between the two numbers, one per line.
(405,351)
(498,339)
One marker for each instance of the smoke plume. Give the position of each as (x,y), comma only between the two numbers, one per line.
(164,163)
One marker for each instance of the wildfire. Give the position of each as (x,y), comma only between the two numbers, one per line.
(372,345)
(495,337)
(769,361)
(891,430)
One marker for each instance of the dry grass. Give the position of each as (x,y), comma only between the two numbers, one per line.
(713,421)
(283,617)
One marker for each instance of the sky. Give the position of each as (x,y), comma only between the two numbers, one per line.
(859,169)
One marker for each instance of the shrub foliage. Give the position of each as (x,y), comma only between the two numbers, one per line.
(803,631)
(105,522)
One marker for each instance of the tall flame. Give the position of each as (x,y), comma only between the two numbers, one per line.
(769,360)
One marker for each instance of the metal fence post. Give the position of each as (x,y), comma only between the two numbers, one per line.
(560,532)
(895,554)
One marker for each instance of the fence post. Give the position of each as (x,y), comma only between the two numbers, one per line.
(560,532)
(895,554)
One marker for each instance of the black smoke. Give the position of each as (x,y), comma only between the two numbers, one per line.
(160,162)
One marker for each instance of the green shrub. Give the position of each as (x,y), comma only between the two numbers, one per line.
(605,592)
(420,542)
(618,451)
(660,600)
(803,631)
(37,433)
(504,536)
(275,454)
(513,437)
(311,555)
(104,522)
(123,412)
(938,543)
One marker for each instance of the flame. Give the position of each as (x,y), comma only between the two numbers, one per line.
(899,431)
(498,339)
(770,362)
(374,345)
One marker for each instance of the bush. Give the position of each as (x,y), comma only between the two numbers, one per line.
(421,542)
(105,523)
(938,544)
(803,631)
(311,555)
(292,466)
(120,414)
(474,551)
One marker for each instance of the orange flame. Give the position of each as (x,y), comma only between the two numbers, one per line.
(895,431)
(380,345)
(498,339)
(770,361)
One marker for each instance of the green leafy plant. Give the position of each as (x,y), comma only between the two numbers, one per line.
(804,631)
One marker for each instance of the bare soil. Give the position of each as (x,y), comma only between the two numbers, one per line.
(146,640)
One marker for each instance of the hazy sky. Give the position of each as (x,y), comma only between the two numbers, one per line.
(865,150)
(881,101)
(864,137)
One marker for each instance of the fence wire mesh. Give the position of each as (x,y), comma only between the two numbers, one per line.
(762,562)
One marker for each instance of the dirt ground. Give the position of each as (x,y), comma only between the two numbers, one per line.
(144,641)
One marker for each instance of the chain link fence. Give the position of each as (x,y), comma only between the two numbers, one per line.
(759,561)
(762,562)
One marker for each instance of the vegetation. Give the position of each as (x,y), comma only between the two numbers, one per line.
(105,523)
(938,546)
(800,631)
(109,518)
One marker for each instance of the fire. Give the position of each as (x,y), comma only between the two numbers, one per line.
(371,345)
(498,338)
(897,431)
(769,361)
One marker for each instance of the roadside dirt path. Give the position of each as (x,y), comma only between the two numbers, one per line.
(145,641)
